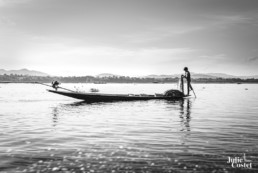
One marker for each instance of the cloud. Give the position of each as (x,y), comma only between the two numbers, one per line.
(252,59)
(235,19)
(156,33)
(214,57)
(229,20)
(161,32)
(4,3)
(56,57)
(128,35)
(5,21)
(94,54)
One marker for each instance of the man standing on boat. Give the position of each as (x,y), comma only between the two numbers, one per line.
(188,79)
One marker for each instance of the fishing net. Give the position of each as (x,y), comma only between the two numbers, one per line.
(174,93)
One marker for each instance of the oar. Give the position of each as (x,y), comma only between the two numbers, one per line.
(57,87)
(192,90)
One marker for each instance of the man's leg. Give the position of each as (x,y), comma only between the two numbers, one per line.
(188,87)
(191,88)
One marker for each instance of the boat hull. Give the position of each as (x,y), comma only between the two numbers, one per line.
(92,97)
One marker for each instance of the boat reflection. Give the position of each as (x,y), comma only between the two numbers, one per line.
(62,109)
(182,106)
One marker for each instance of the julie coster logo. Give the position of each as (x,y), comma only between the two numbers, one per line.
(240,162)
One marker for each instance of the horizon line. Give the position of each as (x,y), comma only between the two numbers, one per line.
(112,74)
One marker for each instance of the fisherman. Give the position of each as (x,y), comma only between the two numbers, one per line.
(55,84)
(188,79)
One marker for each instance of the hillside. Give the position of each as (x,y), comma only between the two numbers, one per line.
(24,71)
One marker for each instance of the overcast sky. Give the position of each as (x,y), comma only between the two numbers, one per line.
(129,37)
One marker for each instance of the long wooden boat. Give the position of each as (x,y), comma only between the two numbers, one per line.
(97,97)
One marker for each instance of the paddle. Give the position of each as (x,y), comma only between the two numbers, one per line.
(52,86)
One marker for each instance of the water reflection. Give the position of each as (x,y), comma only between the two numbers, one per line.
(80,103)
(80,107)
(58,110)
(185,114)
(185,118)
(55,113)
(183,108)
(147,136)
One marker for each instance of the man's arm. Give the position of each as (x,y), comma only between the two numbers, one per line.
(184,76)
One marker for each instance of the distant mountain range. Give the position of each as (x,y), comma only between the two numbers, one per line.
(102,75)
(23,72)
(193,75)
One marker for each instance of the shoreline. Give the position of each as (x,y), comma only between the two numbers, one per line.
(13,82)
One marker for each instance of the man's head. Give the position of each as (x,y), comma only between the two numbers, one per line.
(185,69)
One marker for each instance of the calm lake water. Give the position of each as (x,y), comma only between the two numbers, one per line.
(44,132)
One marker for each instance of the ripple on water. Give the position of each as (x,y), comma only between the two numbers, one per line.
(48,133)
